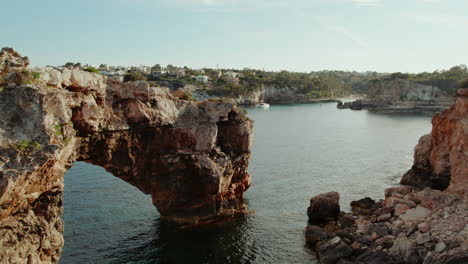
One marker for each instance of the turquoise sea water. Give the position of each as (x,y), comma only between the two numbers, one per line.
(299,151)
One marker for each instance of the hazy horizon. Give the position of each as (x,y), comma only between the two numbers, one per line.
(302,36)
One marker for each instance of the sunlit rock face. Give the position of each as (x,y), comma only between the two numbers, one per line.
(191,157)
(441,157)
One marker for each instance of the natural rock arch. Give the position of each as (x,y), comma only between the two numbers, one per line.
(191,157)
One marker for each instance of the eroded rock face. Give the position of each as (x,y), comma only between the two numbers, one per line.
(191,157)
(441,158)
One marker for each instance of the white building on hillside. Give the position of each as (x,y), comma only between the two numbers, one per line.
(202,78)
(231,74)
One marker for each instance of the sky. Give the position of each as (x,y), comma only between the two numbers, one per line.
(295,35)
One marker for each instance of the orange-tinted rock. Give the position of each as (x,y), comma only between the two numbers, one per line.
(440,158)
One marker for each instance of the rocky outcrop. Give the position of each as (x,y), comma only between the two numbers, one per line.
(409,226)
(11,60)
(191,157)
(399,95)
(441,158)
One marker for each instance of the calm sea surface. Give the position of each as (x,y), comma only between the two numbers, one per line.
(299,151)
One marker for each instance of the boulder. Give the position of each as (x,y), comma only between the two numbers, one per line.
(324,207)
(415,214)
(403,190)
(383,218)
(346,220)
(363,225)
(401,209)
(314,234)
(365,206)
(424,227)
(381,229)
(332,250)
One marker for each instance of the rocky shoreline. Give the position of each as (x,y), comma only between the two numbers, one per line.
(401,96)
(426,223)
(409,226)
(270,94)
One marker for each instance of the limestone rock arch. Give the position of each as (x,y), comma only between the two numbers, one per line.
(191,157)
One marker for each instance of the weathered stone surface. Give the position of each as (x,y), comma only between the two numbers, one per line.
(346,220)
(424,227)
(401,209)
(191,157)
(439,247)
(402,190)
(414,214)
(363,224)
(11,60)
(324,206)
(384,217)
(381,229)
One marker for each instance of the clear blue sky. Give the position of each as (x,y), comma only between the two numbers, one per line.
(299,35)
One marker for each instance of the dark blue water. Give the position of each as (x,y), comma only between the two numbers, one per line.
(299,151)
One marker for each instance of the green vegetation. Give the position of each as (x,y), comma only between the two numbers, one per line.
(72,64)
(24,77)
(316,84)
(28,145)
(447,80)
(35,75)
(57,130)
(134,76)
(92,69)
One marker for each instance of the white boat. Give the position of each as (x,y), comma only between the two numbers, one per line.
(263,105)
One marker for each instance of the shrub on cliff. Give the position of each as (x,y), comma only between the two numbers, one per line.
(24,77)
(464,84)
(134,76)
(184,95)
(92,69)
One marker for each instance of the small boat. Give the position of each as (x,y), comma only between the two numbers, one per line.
(263,105)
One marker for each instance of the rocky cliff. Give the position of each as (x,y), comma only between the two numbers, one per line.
(270,94)
(192,158)
(280,95)
(441,158)
(399,95)
(411,225)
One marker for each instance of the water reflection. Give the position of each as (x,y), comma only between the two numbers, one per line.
(224,242)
